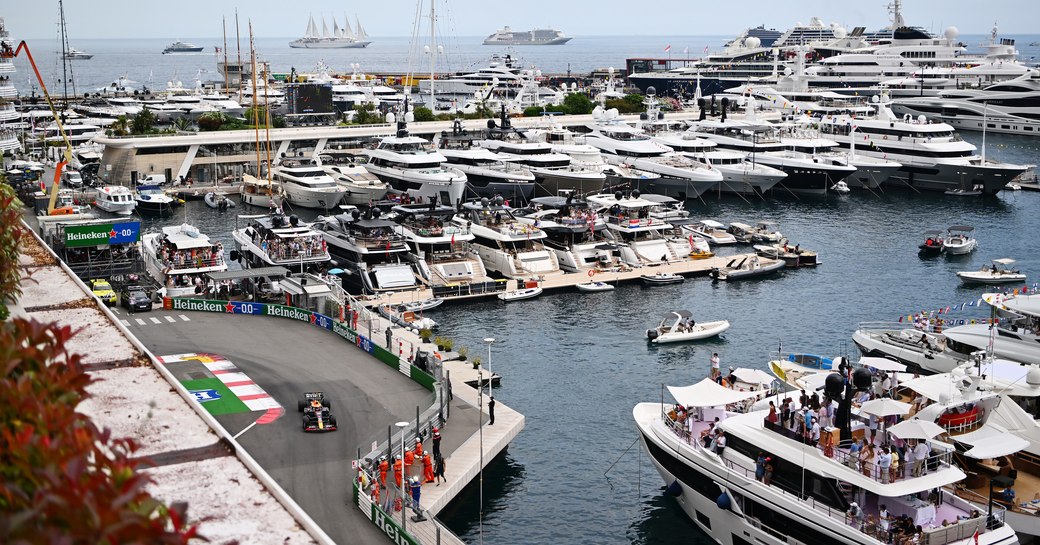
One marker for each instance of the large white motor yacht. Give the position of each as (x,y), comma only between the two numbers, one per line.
(305,183)
(488,174)
(507,247)
(362,187)
(1011,107)
(279,240)
(179,255)
(680,177)
(643,239)
(411,166)
(377,259)
(442,248)
(933,155)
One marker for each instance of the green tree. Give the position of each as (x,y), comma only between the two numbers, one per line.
(423,114)
(366,114)
(578,104)
(143,122)
(120,127)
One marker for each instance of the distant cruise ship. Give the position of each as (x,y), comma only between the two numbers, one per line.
(538,36)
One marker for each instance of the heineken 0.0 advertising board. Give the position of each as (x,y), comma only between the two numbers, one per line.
(102,234)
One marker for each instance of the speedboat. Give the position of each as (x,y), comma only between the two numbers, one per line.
(423,305)
(933,243)
(661,278)
(959,240)
(679,325)
(975,191)
(593,287)
(925,351)
(179,255)
(399,315)
(520,294)
(999,272)
(152,200)
(712,231)
(766,231)
(741,268)
(792,256)
(115,199)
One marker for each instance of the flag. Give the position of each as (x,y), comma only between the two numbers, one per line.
(900,319)
(947,310)
(976,536)
(453,239)
(705,49)
(686,50)
(667,48)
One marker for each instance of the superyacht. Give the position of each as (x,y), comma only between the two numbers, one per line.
(538,36)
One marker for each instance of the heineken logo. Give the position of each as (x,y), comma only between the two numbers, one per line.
(102,234)
(199,305)
(283,311)
(95,235)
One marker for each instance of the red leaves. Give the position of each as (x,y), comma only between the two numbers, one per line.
(10,234)
(61,479)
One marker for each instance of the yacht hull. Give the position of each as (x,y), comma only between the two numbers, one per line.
(891,343)
(514,192)
(322,200)
(552,183)
(677,188)
(744,182)
(941,177)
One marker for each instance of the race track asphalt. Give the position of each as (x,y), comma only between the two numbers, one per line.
(287,358)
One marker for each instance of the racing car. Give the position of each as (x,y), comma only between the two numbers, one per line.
(317,412)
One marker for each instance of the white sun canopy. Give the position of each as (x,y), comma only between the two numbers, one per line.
(991,443)
(707,393)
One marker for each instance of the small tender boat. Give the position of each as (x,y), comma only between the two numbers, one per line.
(712,231)
(151,200)
(520,294)
(745,267)
(220,202)
(679,325)
(406,318)
(766,231)
(661,279)
(933,243)
(998,273)
(841,187)
(959,240)
(115,199)
(792,256)
(593,287)
(419,306)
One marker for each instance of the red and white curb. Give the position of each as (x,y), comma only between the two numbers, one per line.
(247,391)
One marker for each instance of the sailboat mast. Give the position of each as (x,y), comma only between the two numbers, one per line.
(227,85)
(64,57)
(256,114)
(238,48)
(433,51)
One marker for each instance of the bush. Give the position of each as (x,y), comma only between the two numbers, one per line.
(65,481)
(423,114)
(578,104)
(11,233)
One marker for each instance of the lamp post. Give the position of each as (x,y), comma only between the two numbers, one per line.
(402,426)
(491,378)
(480,431)
(301,254)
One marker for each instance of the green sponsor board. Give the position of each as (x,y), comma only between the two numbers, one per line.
(214,396)
(386,522)
(102,234)
(293,313)
(202,305)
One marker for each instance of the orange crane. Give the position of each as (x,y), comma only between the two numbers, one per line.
(7,53)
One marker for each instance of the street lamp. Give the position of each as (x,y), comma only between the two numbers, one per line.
(491,378)
(402,426)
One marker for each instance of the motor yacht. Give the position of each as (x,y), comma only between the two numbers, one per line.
(508,247)
(369,248)
(305,183)
(74,54)
(642,240)
(153,201)
(277,240)
(182,47)
(679,176)
(502,75)
(925,351)
(115,199)
(487,173)
(933,155)
(782,484)
(179,257)
(411,166)
(441,247)
(554,172)
(574,232)
(538,36)
(586,156)
(361,186)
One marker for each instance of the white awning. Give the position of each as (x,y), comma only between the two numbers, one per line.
(882,364)
(991,443)
(707,393)
(754,376)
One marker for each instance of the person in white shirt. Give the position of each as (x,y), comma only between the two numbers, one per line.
(814,433)
(886,384)
(884,463)
(921,453)
(715,366)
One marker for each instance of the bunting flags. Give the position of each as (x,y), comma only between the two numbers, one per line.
(934,315)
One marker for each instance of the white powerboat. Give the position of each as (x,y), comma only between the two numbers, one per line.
(959,240)
(642,239)
(1000,272)
(925,351)
(506,246)
(741,268)
(376,257)
(180,255)
(520,294)
(442,249)
(404,317)
(152,200)
(305,183)
(411,166)
(217,201)
(277,240)
(679,326)
(115,199)
(712,231)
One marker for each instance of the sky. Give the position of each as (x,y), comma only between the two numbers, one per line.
(88,19)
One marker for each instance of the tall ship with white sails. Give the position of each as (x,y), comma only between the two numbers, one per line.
(339,37)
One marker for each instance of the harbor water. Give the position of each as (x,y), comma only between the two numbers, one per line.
(575,364)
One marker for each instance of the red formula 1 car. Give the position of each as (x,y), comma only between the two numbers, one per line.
(317,412)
